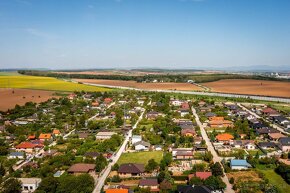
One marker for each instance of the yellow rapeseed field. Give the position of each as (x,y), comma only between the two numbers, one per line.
(43,83)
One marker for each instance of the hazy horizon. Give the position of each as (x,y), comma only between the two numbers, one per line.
(172,34)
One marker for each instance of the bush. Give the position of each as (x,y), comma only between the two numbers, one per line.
(116,178)
(232,180)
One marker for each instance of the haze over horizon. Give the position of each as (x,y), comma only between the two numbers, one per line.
(192,34)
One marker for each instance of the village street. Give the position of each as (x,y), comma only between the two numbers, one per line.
(210,148)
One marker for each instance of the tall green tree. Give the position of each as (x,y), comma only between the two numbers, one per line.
(12,185)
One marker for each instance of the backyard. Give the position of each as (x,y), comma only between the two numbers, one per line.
(140,157)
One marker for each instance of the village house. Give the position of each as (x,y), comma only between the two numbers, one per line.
(205,109)
(196,189)
(185,106)
(83,135)
(183,112)
(246,144)
(241,164)
(210,114)
(45,137)
(270,112)
(29,184)
(72,96)
(131,170)
(183,153)
(152,184)
(81,168)
(275,136)
(176,103)
(284,144)
(140,102)
(56,132)
(31,137)
(267,145)
(28,147)
(265,131)
(16,155)
(121,190)
(92,154)
(136,138)
(108,100)
(158,147)
(225,138)
(201,175)
(105,135)
(152,115)
(142,146)
(219,122)
(201,103)
(188,132)
(95,104)
(58,173)
(281,120)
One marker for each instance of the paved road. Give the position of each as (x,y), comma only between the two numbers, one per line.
(275,126)
(101,180)
(210,147)
(264,98)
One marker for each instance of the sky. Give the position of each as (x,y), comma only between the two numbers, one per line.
(79,34)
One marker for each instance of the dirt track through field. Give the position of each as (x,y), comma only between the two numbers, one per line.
(134,84)
(10,97)
(253,87)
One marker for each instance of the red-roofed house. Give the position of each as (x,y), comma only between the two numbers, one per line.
(188,132)
(201,175)
(27,147)
(45,136)
(269,111)
(185,105)
(108,100)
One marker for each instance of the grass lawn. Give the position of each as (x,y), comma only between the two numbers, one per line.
(254,152)
(276,180)
(44,83)
(140,157)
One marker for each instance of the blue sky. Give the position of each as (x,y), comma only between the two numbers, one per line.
(144,33)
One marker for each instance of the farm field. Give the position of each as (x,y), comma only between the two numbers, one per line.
(254,87)
(11,97)
(134,84)
(43,83)
(140,157)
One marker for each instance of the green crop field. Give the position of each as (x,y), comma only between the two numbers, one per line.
(8,80)
(140,157)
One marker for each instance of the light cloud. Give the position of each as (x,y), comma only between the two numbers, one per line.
(39,33)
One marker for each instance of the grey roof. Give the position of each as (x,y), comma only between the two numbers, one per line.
(144,143)
(210,114)
(267,144)
(285,141)
(16,153)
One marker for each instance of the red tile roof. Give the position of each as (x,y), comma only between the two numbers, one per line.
(26,145)
(44,136)
(224,137)
(117,191)
(201,175)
